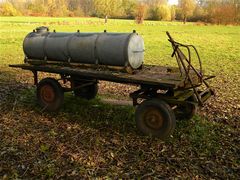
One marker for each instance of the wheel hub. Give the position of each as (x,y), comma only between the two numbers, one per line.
(153,118)
(47,94)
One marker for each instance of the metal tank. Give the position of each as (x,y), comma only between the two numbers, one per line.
(111,49)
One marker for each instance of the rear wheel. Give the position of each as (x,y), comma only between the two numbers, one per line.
(50,94)
(86,92)
(155,118)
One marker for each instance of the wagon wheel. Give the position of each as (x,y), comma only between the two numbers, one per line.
(155,118)
(86,92)
(188,110)
(50,94)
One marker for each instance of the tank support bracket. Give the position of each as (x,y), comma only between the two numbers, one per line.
(35,76)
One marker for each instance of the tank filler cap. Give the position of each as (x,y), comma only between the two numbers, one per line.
(42,29)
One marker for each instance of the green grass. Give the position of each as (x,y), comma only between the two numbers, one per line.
(92,139)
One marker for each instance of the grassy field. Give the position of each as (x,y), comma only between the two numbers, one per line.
(92,139)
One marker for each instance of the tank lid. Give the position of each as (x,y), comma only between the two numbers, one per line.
(42,29)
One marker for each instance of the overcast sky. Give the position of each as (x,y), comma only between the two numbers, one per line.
(172,1)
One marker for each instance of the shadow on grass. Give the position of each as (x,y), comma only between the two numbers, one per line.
(93,139)
(94,113)
(10,87)
(118,119)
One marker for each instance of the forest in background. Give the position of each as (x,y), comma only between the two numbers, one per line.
(209,11)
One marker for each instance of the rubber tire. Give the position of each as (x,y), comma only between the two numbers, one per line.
(169,120)
(87,92)
(187,111)
(58,97)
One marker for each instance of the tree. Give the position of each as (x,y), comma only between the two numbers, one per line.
(212,11)
(129,7)
(199,14)
(105,8)
(87,7)
(160,12)
(156,2)
(7,9)
(223,11)
(173,13)
(187,8)
(140,13)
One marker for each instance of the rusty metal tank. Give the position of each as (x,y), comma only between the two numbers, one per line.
(111,49)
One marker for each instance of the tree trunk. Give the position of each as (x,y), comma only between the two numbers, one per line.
(184,19)
(106,19)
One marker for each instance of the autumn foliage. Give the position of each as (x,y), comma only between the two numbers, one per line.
(208,11)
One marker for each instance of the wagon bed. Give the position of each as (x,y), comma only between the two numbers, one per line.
(158,76)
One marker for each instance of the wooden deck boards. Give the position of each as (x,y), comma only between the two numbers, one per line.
(168,77)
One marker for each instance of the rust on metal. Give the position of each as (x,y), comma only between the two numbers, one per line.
(185,66)
(47,94)
(153,118)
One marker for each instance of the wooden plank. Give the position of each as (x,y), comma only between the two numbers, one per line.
(165,77)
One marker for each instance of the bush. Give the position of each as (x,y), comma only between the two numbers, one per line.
(7,9)
(222,14)
(173,13)
(140,13)
(199,14)
(162,12)
(165,13)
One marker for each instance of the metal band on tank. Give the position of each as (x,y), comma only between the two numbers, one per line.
(44,46)
(68,51)
(95,48)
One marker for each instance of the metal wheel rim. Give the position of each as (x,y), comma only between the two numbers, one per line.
(153,118)
(47,94)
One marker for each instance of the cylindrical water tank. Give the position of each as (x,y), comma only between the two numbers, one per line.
(111,49)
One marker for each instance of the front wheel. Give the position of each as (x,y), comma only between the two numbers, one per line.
(155,117)
(50,94)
